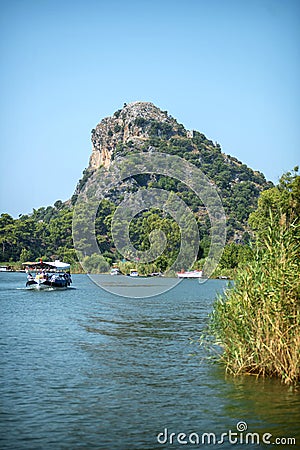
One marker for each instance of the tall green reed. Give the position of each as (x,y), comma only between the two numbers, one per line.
(257,322)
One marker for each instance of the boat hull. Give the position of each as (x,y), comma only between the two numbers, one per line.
(115,272)
(193,274)
(60,283)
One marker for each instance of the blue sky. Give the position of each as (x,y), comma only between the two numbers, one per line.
(229,69)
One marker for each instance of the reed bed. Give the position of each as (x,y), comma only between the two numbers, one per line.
(257,321)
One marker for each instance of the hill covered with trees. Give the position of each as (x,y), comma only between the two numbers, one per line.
(141,127)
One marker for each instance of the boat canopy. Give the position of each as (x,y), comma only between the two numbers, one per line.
(48,264)
(58,264)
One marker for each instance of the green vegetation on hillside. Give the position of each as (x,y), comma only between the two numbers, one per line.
(238,185)
(47,232)
(258,321)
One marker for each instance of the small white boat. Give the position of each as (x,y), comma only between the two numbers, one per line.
(155,274)
(190,274)
(46,275)
(133,273)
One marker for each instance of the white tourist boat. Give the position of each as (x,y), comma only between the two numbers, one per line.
(47,275)
(190,274)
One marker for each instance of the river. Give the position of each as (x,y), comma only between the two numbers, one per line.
(87,369)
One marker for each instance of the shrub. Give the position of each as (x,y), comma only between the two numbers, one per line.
(95,264)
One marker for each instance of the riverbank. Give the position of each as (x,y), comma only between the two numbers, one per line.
(222,274)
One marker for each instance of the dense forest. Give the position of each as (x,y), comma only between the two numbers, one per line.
(47,234)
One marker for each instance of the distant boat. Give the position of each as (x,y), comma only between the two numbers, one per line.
(46,275)
(190,274)
(133,273)
(6,269)
(155,274)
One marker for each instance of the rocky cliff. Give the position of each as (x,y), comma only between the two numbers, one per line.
(133,125)
(141,126)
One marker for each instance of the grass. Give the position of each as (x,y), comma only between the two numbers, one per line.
(257,322)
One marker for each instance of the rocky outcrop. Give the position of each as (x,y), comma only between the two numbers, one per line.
(131,125)
(141,126)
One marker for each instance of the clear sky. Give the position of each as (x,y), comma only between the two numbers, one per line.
(227,68)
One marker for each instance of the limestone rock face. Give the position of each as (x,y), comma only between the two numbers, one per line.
(131,125)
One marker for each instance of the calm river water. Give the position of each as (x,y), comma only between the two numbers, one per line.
(85,369)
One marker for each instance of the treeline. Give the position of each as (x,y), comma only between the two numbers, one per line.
(47,234)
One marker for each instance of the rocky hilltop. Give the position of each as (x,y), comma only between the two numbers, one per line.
(141,126)
(132,125)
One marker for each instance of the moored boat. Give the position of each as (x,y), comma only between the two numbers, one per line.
(6,269)
(47,275)
(155,274)
(133,273)
(190,274)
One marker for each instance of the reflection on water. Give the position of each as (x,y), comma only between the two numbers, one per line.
(85,369)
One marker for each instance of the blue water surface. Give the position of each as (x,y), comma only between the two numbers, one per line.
(86,369)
